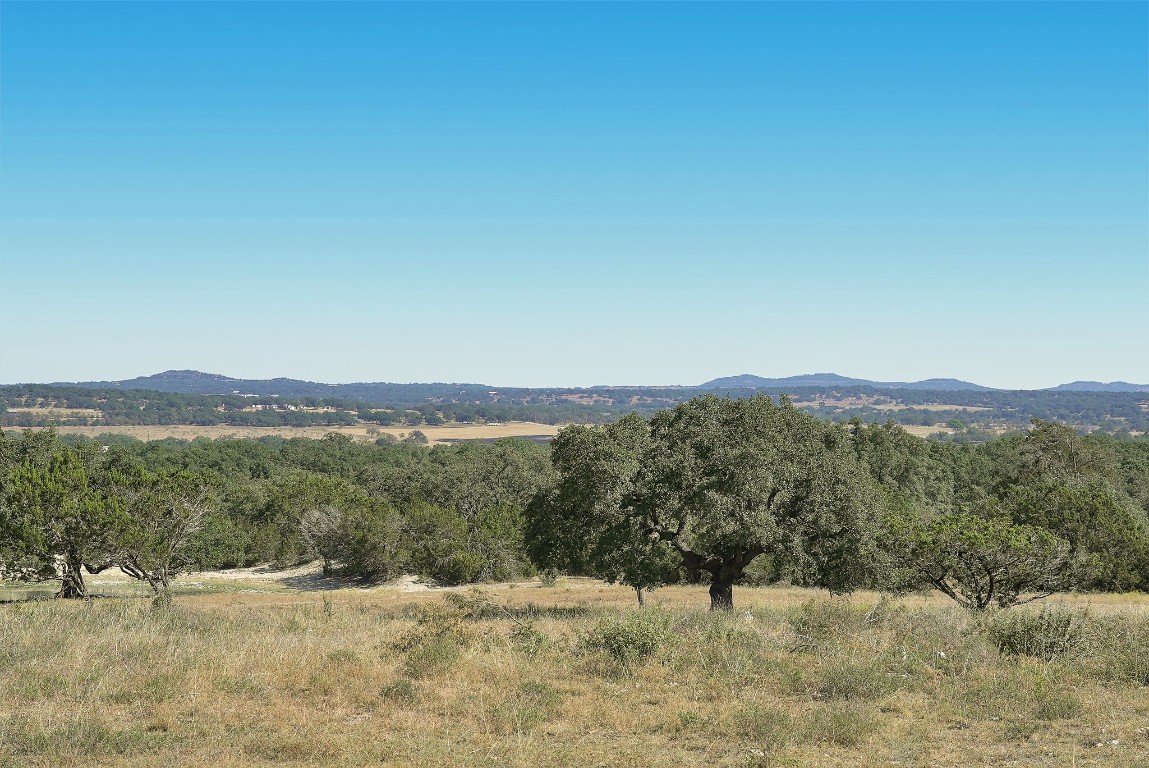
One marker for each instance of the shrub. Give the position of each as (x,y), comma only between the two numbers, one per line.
(632,638)
(370,546)
(1046,634)
(402,690)
(432,657)
(819,620)
(528,640)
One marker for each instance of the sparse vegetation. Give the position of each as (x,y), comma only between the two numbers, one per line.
(391,679)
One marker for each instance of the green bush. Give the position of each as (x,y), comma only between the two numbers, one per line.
(632,638)
(371,544)
(432,657)
(452,549)
(1046,634)
(528,640)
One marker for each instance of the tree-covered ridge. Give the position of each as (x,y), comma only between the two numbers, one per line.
(970,412)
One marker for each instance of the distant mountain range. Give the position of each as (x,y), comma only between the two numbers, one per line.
(1102,386)
(200,383)
(748,380)
(197,382)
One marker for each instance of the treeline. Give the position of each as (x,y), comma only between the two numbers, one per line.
(450,513)
(1116,413)
(1109,412)
(142,407)
(733,491)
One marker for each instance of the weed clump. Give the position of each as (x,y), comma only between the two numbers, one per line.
(528,640)
(845,725)
(1115,649)
(817,621)
(432,657)
(846,680)
(435,643)
(767,727)
(402,691)
(532,703)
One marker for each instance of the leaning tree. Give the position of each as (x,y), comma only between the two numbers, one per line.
(719,483)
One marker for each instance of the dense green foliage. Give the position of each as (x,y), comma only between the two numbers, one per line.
(451,513)
(744,490)
(718,483)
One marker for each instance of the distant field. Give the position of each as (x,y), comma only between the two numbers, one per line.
(53,412)
(445,434)
(866,402)
(920,431)
(441,435)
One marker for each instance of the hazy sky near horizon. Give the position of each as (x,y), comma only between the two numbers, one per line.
(554,194)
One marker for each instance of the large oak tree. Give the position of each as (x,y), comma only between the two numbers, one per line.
(719,483)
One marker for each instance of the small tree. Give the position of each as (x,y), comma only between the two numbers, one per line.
(978,561)
(323,536)
(577,526)
(165,514)
(56,518)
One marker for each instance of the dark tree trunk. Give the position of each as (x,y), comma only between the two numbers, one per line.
(641,596)
(721,594)
(723,571)
(73,586)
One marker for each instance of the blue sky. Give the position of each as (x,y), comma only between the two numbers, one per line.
(553,194)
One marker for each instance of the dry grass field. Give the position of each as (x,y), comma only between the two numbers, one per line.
(248,670)
(54,412)
(921,431)
(447,433)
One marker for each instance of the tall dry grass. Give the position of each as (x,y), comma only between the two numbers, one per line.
(565,677)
